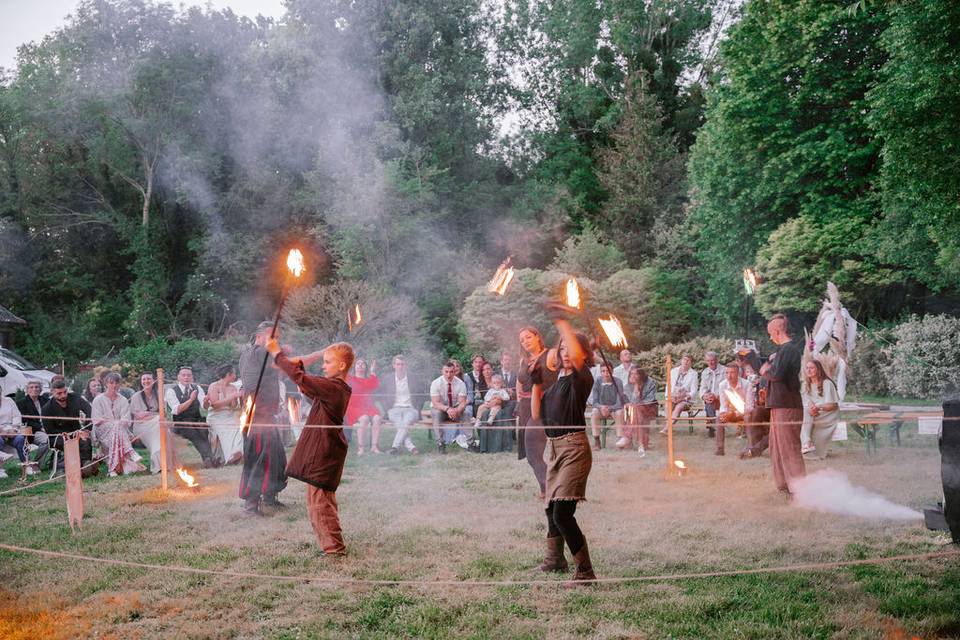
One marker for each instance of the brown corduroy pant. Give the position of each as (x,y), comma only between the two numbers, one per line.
(785,447)
(325,519)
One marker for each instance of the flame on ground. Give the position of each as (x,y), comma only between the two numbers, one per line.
(680,464)
(247,414)
(614,331)
(295,262)
(293,408)
(735,400)
(501,279)
(573,293)
(186,477)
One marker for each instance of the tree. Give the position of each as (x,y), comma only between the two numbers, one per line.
(643,174)
(585,254)
(786,133)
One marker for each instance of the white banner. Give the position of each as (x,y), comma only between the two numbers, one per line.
(840,433)
(929,426)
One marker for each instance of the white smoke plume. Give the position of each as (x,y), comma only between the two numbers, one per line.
(830,491)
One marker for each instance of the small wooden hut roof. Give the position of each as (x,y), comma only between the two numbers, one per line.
(8,319)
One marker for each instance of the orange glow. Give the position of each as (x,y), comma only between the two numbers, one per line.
(295,262)
(186,477)
(357,316)
(293,409)
(735,400)
(573,293)
(501,279)
(680,464)
(614,331)
(247,415)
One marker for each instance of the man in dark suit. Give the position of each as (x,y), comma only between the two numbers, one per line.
(509,376)
(402,395)
(32,405)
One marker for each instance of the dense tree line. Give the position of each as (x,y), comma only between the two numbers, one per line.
(155,163)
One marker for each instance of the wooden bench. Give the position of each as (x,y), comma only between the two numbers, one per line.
(868,424)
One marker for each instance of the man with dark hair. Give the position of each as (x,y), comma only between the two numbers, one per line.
(59,417)
(185,400)
(782,373)
(448,401)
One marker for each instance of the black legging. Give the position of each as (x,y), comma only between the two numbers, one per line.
(560,522)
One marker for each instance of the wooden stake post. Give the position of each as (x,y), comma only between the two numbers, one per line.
(670,459)
(163,431)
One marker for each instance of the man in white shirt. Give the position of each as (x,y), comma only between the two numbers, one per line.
(184,400)
(11,441)
(710,379)
(729,412)
(448,400)
(404,392)
(683,383)
(622,370)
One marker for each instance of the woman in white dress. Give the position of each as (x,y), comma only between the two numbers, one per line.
(223,414)
(111,426)
(146,422)
(821,409)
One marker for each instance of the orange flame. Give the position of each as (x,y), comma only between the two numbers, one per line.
(354,318)
(295,262)
(247,415)
(186,477)
(735,400)
(749,281)
(501,279)
(614,331)
(680,464)
(573,293)
(293,409)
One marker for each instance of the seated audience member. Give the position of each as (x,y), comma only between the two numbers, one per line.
(93,389)
(448,402)
(509,375)
(403,395)
(361,412)
(821,410)
(30,408)
(494,401)
(607,401)
(729,414)
(710,379)
(683,384)
(758,420)
(184,400)
(622,370)
(12,441)
(476,385)
(222,403)
(60,416)
(110,413)
(641,396)
(145,409)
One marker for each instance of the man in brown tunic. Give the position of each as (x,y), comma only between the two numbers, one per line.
(321,452)
(782,373)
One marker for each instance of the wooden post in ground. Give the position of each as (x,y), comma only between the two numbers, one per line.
(163,431)
(669,418)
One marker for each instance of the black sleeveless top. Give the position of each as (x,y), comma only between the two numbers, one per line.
(537,373)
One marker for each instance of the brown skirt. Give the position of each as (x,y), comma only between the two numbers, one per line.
(568,464)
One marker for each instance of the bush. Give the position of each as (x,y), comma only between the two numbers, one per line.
(871,366)
(654,360)
(203,356)
(925,362)
(588,256)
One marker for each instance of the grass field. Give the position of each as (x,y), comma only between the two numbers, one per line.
(475,517)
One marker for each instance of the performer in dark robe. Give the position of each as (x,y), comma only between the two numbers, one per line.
(533,365)
(264,460)
(320,453)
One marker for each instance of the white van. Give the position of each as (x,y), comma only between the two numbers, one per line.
(16,372)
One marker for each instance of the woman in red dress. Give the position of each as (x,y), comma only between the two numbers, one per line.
(362,413)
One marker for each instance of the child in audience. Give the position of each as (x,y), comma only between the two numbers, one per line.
(492,402)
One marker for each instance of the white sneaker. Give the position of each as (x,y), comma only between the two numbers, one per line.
(463,441)
(3,473)
(641,452)
(623,442)
(808,448)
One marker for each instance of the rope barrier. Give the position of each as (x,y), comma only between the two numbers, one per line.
(810,566)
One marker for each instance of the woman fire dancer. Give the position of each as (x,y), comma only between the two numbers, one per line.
(533,364)
(568,454)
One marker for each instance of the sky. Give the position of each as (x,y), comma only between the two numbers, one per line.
(23,21)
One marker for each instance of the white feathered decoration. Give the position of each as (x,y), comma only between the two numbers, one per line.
(837,330)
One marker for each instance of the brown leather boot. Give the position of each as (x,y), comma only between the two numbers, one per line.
(583,575)
(554,559)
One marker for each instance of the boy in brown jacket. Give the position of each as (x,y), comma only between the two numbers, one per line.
(321,452)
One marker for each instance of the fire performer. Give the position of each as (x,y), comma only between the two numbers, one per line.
(321,452)
(786,406)
(533,365)
(264,459)
(568,454)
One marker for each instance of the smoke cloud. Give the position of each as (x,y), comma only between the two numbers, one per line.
(830,491)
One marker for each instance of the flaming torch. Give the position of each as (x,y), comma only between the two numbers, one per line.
(750,287)
(293,410)
(614,331)
(354,318)
(187,479)
(295,268)
(681,467)
(573,294)
(501,279)
(739,406)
